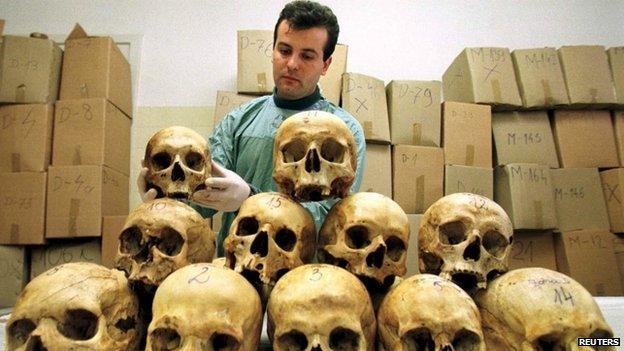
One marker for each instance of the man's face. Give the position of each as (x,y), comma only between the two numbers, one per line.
(298,60)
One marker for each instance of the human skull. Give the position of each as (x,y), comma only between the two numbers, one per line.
(178,162)
(535,309)
(314,157)
(322,308)
(205,307)
(76,306)
(368,234)
(271,235)
(427,312)
(159,237)
(465,238)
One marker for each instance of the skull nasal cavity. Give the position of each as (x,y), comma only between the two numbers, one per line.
(473,251)
(375,258)
(313,162)
(260,244)
(178,173)
(35,344)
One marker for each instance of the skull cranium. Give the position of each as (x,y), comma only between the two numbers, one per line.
(178,162)
(76,306)
(465,238)
(314,156)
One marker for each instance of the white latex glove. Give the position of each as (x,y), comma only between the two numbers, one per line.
(225,190)
(150,194)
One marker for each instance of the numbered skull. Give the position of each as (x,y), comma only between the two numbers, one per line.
(314,157)
(465,238)
(368,234)
(205,307)
(159,237)
(320,307)
(76,306)
(270,236)
(534,309)
(178,162)
(427,312)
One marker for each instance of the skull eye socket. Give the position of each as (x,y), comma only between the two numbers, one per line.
(20,330)
(194,161)
(395,248)
(466,340)
(163,339)
(452,233)
(171,242)
(332,151)
(495,243)
(79,324)
(130,241)
(247,226)
(293,340)
(161,160)
(357,237)
(223,342)
(418,339)
(286,239)
(343,339)
(294,151)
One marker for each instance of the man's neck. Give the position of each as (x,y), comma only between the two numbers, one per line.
(298,104)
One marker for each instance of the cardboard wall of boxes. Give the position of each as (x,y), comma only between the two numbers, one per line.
(64,163)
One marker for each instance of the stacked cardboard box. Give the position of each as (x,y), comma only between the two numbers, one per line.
(255,71)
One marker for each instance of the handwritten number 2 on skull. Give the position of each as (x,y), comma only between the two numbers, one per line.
(198,278)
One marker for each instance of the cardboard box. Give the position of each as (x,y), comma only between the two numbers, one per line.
(618,128)
(540,79)
(412,247)
(616,61)
(417,175)
(365,98)
(467,134)
(30,69)
(465,179)
(414,111)
(589,258)
(255,70)
(79,196)
(25,137)
(612,184)
(533,249)
(525,192)
(377,175)
(57,253)
(91,132)
(579,200)
(587,75)
(331,82)
(94,67)
(584,139)
(523,137)
(618,247)
(22,208)
(482,76)
(226,102)
(13,274)
(111,228)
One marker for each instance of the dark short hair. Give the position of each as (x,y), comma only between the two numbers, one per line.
(303,14)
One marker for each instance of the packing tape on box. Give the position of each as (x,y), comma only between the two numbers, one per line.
(261,77)
(74,209)
(368,129)
(16,161)
(20,93)
(594,95)
(417,133)
(539,214)
(84,90)
(470,155)
(14,233)
(420,194)
(548,99)
(77,158)
(496,90)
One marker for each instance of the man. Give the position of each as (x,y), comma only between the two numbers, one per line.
(304,39)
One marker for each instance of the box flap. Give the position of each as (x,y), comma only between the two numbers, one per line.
(77,33)
(1,26)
